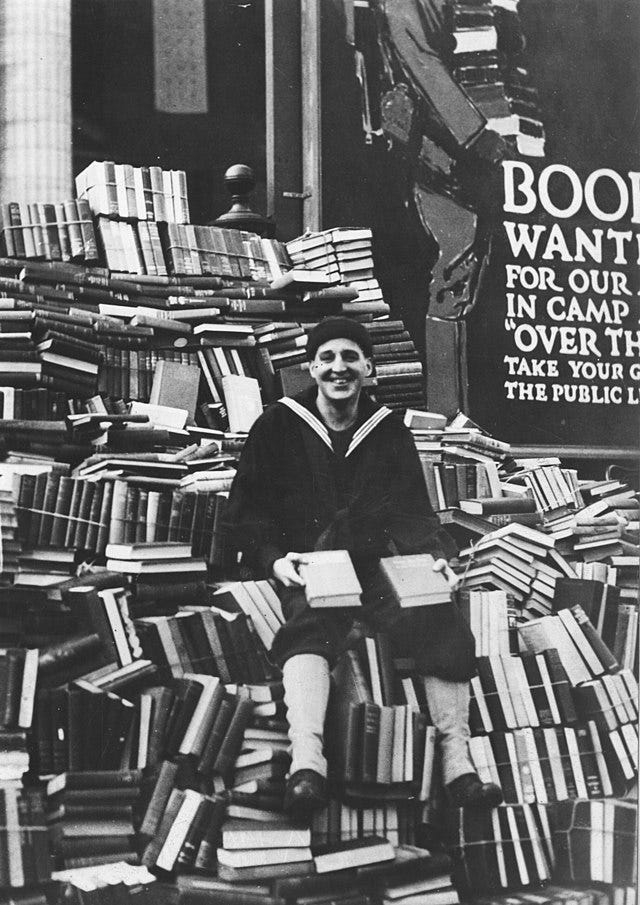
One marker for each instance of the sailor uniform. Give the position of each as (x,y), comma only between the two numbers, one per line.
(300,487)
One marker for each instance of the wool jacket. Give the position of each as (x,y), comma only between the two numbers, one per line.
(292,492)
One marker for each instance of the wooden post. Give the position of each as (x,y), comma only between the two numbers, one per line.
(283,116)
(311,115)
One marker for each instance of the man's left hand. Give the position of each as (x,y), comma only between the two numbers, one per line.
(441,565)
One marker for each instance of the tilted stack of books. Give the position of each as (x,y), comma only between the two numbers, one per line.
(346,254)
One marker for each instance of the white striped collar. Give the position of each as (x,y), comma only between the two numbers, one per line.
(316,425)
(313,422)
(365,429)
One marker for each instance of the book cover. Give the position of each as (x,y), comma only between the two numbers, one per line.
(330,579)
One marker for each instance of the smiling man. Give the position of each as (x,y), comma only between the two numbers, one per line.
(333,470)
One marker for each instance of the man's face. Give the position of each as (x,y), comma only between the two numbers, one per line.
(339,369)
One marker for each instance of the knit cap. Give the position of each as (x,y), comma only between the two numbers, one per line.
(338,328)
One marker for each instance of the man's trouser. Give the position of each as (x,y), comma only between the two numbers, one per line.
(311,640)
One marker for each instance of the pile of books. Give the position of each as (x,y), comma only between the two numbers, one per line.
(24,841)
(138,193)
(136,681)
(92,816)
(109,883)
(53,232)
(510,846)
(344,252)
(250,844)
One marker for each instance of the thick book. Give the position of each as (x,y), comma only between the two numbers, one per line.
(330,579)
(355,853)
(255,834)
(413,581)
(148,551)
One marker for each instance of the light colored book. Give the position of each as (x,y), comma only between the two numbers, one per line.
(330,579)
(242,400)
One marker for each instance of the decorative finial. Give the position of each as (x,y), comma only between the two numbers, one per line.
(240,181)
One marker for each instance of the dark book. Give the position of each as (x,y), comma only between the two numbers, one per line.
(561,687)
(164,783)
(186,695)
(598,646)
(504,765)
(162,699)
(82,517)
(589,763)
(205,859)
(94,779)
(199,825)
(582,591)
(370,721)
(64,660)
(154,847)
(538,691)
(48,508)
(61,511)
(490,689)
(12,668)
(217,734)
(545,764)
(73,511)
(89,609)
(25,503)
(231,744)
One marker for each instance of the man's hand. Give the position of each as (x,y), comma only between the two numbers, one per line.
(441,565)
(285,569)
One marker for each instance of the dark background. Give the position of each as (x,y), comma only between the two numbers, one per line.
(582,55)
(584,58)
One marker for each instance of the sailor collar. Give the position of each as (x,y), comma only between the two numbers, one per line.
(378,415)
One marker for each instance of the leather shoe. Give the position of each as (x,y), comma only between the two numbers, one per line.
(305,793)
(468,791)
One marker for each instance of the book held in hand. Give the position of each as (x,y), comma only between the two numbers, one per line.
(330,579)
(413,581)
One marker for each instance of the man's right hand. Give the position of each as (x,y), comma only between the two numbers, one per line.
(285,569)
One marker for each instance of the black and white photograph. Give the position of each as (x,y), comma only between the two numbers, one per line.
(319,436)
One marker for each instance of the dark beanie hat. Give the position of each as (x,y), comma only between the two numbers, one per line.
(338,328)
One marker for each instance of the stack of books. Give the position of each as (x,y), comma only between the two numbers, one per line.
(186,833)
(346,253)
(24,841)
(520,560)
(205,639)
(554,894)
(384,744)
(258,601)
(53,232)
(342,821)
(510,846)
(595,842)
(122,419)
(398,372)
(138,193)
(485,58)
(92,816)
(254,849)
(108,883)
(430,890)
(154,561)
